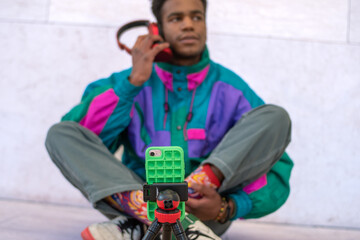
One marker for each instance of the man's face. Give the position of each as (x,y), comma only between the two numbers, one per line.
(183,26)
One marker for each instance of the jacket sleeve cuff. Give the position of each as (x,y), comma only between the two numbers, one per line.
(243,204)
(125,90)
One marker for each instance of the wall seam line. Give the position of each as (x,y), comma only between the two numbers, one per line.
(108,26)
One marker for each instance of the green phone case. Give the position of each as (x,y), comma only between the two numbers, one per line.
(167,168)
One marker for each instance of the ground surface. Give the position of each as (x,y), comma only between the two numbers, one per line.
(33,221)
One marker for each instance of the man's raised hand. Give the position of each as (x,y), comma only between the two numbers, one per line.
(143,55)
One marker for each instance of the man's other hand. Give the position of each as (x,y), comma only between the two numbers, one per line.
(206,208)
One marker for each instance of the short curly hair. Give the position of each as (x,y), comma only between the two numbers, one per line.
(157,5)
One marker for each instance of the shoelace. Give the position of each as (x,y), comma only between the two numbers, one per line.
(195,234)
(130,226)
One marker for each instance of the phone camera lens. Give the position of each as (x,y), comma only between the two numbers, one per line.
(152,154)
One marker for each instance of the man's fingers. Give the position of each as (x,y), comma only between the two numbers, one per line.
(139,40)
(156,38)
(203,190)
(158,48)
(192,203)
(189,209)
(191,206)
(149,41)
(144,46)
(145,42)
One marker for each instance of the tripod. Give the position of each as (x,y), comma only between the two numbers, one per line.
(167,216)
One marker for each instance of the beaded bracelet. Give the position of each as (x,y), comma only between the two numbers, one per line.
(227,217)
(222,209)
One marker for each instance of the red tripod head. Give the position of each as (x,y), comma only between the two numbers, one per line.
(168,201)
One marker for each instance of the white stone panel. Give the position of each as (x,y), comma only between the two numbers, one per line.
(318,84)
(24,10)
(324,20)
(44,70)
(112,12)
(355,21)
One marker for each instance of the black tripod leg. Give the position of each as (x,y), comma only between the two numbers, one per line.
(179,231)
(166,235)
(152,231)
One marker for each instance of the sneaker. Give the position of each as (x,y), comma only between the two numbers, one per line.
(195,229)
(120,228)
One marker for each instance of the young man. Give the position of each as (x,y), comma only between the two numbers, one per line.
(234,144)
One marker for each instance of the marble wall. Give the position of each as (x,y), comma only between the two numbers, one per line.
(301,54)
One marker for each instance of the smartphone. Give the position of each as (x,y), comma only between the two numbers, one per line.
(165,169)
(164,56)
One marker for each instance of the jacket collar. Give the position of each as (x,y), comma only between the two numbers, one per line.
(195,74)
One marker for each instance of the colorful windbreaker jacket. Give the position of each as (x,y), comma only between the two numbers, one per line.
(187,106)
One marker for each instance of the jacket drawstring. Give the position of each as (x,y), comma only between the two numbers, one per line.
(166,106)
(188,116)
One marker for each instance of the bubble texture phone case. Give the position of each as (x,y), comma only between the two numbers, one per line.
(167,168)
